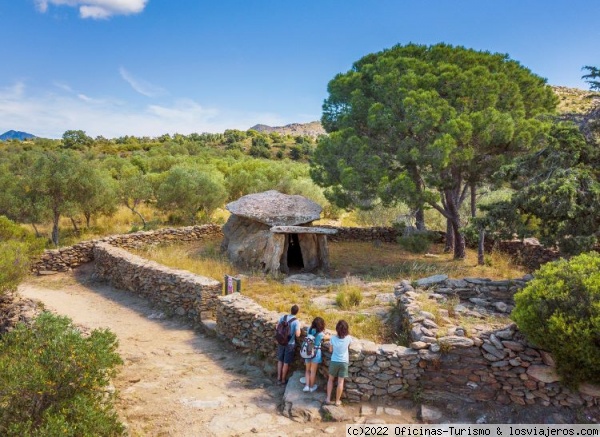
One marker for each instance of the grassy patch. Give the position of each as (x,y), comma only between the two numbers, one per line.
(376,269)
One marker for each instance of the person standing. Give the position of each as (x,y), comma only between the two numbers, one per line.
(285,352)
(316,330)
(340,360)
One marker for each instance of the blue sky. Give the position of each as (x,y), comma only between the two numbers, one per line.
(148,67)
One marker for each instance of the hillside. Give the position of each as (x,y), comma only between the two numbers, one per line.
(312,129)
(15,135)
(575,100)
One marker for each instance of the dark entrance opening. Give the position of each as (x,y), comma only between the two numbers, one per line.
(294,254)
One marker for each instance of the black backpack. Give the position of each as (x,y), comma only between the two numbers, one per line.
(282,332)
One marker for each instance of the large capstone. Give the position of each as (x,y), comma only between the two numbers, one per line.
(276,209)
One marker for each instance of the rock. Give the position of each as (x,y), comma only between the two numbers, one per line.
(298,405)
(431,280)
(455,341)
(430,414)
(366,410)
(416,345)
(312,280)
(548,359)
(543,373)
(501,306)
(276,209)
(385,298)
(337,414)
(590,389)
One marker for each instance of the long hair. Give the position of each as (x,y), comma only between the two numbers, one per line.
(318,324)
(342,328)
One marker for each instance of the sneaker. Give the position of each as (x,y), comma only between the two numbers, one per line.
(303,380)
(314,388)
(306,388)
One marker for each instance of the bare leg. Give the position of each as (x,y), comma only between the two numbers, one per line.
(329,388)
(307,375)
(279,369)
(340,389)
(312,372)
(284,371)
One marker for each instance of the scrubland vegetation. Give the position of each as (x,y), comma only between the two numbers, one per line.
(437,137)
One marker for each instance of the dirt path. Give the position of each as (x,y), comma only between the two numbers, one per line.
(175,381)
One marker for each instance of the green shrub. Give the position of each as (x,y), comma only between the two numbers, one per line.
(349,298)
(416,243)
(560,311)
(17,247)
(53,380)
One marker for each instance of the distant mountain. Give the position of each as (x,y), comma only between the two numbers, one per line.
(15,135)
(313,129)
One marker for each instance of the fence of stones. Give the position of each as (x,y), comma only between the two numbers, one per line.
(474,364)
(63,259)
(486,361)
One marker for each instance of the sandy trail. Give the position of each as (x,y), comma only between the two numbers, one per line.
(174,381)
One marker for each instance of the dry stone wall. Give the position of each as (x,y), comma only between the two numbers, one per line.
(175,291)
(64,259)
(486,364)
(483,362)
(477,364)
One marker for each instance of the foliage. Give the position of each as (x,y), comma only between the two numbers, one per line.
(557,193)
(559,311)
(426,126)
(192,190)
(349,298)
(53,380)
(76,139)
(592,77)
(16,249)
(416,243)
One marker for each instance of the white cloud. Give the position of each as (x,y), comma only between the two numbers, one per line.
(141,86)
(50,113)
(97,9)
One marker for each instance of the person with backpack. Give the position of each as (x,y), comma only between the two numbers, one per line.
(311,352)
(286,331)
(340,360)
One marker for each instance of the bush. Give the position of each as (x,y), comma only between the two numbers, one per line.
(560,311)
(416,243)
(349,298)
(16,249)
(53,380)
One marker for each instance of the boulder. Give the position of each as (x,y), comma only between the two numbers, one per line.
(542,373)
(273,208)
(431,280)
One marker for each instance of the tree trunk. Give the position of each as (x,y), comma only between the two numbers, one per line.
(449,247)
(37,232)
(141,218)
(88,219)
(55,219)
(481,248)
(74,223)
(473,190)
(420,219)
(459,241)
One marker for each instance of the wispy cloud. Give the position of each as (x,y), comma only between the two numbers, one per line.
(97,9)
(51,113)
(141,86)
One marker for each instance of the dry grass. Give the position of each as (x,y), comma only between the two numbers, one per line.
(389,262)
(385,263)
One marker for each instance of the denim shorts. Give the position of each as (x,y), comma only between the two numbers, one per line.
(285,354)
(316,359)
